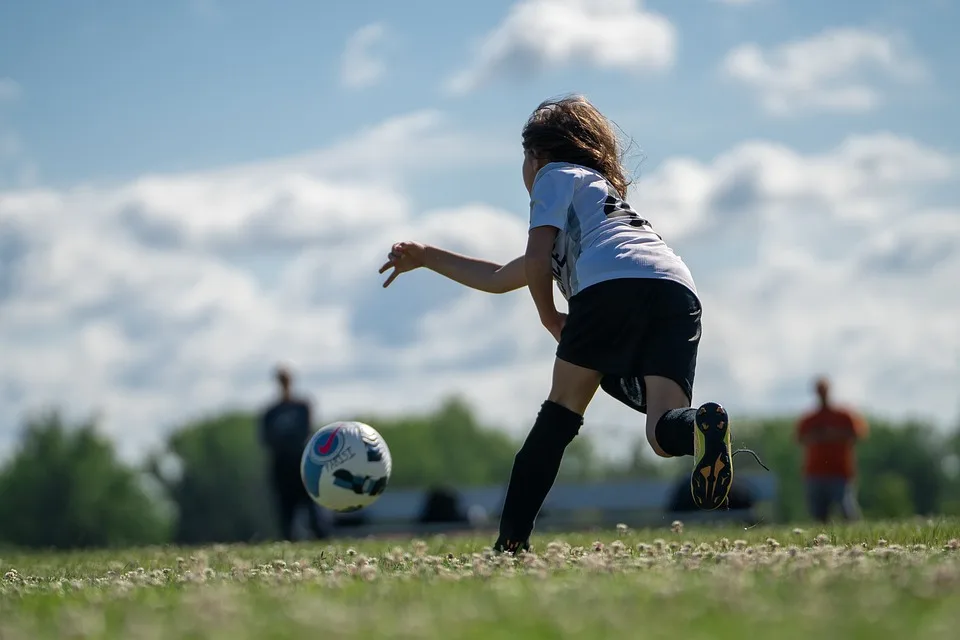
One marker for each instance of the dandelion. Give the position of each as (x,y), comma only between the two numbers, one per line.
(594,563)
(821,540)
(622,529)
(555,551)
(676,526)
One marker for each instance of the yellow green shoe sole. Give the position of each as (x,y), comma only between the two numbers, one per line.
(713,469)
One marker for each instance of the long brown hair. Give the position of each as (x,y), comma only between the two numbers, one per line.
(570,129)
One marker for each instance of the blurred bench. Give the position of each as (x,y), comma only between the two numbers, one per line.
(635,503)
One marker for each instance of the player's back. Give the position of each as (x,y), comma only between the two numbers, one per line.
(601,237)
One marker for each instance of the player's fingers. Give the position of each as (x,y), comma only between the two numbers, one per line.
(386,265)
(391,278)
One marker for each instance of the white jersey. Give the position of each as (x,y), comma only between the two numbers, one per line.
(600,237)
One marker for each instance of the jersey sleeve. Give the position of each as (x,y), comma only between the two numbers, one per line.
(551,198)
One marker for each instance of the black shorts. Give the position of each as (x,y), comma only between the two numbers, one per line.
(630,328)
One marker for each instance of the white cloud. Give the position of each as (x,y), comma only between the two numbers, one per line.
(839,262)
(738,3)
(10,90)
(839,69)
(544,34)
(172,296)
(361,66)
(865,179)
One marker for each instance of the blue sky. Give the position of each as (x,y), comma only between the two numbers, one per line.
(115,88)
(783,144)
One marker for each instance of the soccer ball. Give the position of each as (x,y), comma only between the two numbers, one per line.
(346,466)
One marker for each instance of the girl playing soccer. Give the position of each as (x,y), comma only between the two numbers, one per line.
(633,325)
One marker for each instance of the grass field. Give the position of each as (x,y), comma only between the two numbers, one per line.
(890,580)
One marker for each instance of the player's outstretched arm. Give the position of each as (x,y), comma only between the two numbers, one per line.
(475,273)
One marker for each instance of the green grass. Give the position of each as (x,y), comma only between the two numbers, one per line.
(891,580)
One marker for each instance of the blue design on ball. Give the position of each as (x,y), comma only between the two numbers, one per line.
(310,473)
(326,445)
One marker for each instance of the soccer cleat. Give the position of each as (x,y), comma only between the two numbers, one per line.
(713,468)
(512,547)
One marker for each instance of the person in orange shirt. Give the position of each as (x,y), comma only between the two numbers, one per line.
(829,435)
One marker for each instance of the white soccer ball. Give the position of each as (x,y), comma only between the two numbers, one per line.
(346,466)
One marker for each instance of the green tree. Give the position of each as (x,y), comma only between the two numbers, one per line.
(950,467)
(449,446)
(773,440)
(445,447)
(901,462)
(65,488)
(643,463)
(218,483)
(887,496)
(900,466)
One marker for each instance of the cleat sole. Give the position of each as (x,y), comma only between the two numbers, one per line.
(713,472)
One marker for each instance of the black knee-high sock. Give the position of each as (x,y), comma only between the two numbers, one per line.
(674,431)
(535,469)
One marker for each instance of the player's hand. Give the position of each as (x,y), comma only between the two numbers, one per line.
(403,257)
(554,324)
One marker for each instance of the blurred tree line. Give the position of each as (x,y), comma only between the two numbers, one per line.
(65,486)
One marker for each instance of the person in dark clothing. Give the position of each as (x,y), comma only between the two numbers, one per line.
(442,506)
(740,499)
(285,429)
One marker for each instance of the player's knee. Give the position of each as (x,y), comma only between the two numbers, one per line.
(573,387)
(568,399)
